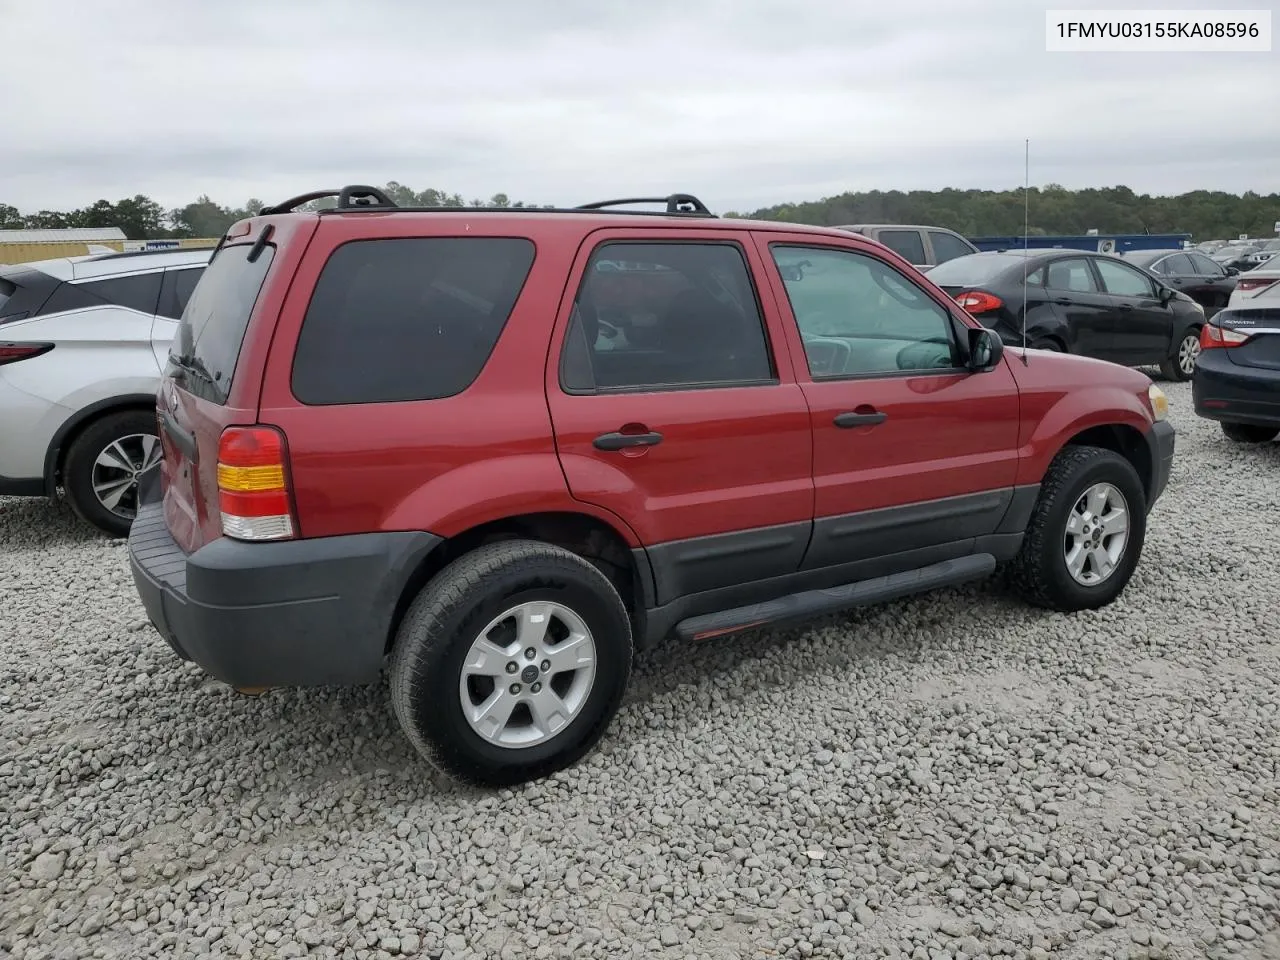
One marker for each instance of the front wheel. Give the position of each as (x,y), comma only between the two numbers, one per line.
(1086,532)
(1249,433)
(1182,365)
(511,662)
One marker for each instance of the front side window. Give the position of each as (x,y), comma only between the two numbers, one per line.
(396,320)
(1072,275)
(661,316)
(858,316)
(907,244)
(1124,281)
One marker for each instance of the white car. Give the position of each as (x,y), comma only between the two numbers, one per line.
(1260,283)
(83,341)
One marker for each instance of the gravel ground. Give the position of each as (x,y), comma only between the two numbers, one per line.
(954,776)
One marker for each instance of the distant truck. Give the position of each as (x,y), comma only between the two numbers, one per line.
(921,246)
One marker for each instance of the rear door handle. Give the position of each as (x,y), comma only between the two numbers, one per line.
(621,441)
(1126,307)
(845,420)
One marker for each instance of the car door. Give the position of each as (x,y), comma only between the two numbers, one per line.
(675,408)
(1144,320)
(1179,272)
(175,290)
(1214,281)
(1086,310)
(914,456)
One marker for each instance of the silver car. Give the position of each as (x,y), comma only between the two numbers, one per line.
(82,344)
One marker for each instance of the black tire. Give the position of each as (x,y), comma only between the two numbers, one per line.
(449,614)
(77,469)
(1249,433)
(1171,367)
(1047,344)
(1039,572)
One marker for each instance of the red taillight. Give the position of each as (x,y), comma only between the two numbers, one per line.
(1213,337)
(979,301)
(253,484)
(1250,284)
(13,352)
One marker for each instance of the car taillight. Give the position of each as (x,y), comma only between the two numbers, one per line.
(979,301)
(253,484)
(13,352)
(1250,284)
(1213,336)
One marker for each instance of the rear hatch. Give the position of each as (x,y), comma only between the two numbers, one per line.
(1251,333)
(213,376)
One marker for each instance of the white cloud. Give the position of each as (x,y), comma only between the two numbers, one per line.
(745,102)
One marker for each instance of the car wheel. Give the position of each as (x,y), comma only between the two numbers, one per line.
(1182,365)
(1249,433)
(100,473)
(510,663)
(1051,345)
(1086,531)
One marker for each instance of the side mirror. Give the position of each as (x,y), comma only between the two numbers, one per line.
(1167,294)
(1233,271)
(985,349)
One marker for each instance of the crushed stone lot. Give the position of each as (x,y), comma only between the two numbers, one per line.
(952,776)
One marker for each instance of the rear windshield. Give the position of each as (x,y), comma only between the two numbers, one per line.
(406,319)
(973,269)
(207,343)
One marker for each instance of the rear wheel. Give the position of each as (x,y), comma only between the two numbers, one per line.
(1182,365)
(1086,532)
(1249,433)
(100,474)
(511,662)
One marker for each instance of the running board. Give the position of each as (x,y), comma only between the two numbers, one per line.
(815,603)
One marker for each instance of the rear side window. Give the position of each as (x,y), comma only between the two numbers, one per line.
(947,246)
(1176,265)
(139,292)
(663,316)
(207,343)
(1073,275)
(407,319)
(907,244)
(176,290)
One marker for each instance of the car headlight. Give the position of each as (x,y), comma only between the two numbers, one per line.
(1159,403)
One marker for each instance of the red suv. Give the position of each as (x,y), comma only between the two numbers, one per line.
(508,448)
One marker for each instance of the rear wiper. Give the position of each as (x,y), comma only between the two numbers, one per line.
(190,363)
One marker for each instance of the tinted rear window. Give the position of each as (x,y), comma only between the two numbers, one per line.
(207,343)
(407,319)
(973,269)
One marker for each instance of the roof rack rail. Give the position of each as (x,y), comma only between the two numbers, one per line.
(145,253)
(356,195)
(685,203)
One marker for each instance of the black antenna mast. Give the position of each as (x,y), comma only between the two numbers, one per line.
(1026,229)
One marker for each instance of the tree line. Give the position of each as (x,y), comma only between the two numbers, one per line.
(141,218)
(1053,209)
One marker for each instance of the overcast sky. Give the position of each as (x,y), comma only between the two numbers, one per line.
(743,102)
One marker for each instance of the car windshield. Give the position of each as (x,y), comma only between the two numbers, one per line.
(973,269)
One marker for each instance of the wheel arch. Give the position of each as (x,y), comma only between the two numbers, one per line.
(584,534)
(55,457)
(1125,440)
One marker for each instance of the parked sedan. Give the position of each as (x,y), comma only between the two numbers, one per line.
(1190,271)
(1260,284)
(1092,304)
(1237,377)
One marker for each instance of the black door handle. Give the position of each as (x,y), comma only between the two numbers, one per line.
(1064,301)
(1126,307)
(621,441)
(860,419)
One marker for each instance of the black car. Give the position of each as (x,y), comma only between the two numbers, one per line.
(1207,283)
(1237,376)
(1092,304)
